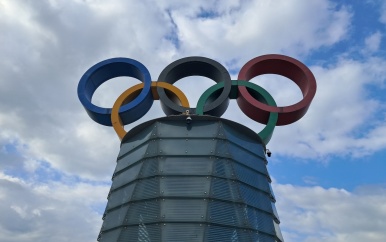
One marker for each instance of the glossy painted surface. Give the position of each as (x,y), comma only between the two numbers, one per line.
(196,66)
(130,94)
(284,66)
(255,91)
(108,69)
(253,100)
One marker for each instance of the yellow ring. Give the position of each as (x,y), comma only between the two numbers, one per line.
(133,92)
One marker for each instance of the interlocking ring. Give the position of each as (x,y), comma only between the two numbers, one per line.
(280,65)
(108,69)
(256,91)
(196,66)
(131,93)
(252,99)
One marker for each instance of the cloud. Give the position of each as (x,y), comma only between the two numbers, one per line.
(373,41)
(247,29)
(342,117)
(49,212)
(314,214)
(382,17)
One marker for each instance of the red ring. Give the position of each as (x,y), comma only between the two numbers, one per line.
(280,65)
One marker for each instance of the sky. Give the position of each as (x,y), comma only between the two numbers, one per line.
(328,169)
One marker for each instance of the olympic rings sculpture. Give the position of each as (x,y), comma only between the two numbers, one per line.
(252,99)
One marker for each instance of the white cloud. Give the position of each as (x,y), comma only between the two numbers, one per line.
(341,119)
(53,212)
(313,214)
(373,41)
(382,18)
(255,27)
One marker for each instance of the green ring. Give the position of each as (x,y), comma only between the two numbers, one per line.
(267,132)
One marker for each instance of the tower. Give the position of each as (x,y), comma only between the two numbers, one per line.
(193,176)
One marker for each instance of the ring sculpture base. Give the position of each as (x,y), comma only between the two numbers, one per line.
(201,178)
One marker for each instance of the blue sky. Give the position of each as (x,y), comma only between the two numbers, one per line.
(328,168)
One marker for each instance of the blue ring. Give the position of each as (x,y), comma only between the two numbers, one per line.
(108,69)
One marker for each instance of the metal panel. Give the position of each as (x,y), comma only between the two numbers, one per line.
(136,141)
(255,198)
(178,129)
(232,190)
(251,177)
(146,189)
(183,210)
(217,233)
(152,149)
(120,196)
(261,237)
(223,168)
(131,157)
(225,189)
(186,165)
(173,129)
(182,232)
(126,176)
(143,212)
(149,168)
(185,186)
(260,220)
(173,147)
(115,218)
(222,149)
(247,158)
(243,140)
(141,233)
(226,213)
(109,236)
(187,147)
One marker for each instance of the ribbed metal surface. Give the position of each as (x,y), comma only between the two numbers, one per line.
(204,181)
(248,158)
(131,157)
(184,186)
(251,177)
(120,196)
(200,166)
(143,136)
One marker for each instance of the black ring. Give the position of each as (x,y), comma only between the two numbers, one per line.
(195,66)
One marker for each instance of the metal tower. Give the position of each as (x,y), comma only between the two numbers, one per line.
(193,176)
